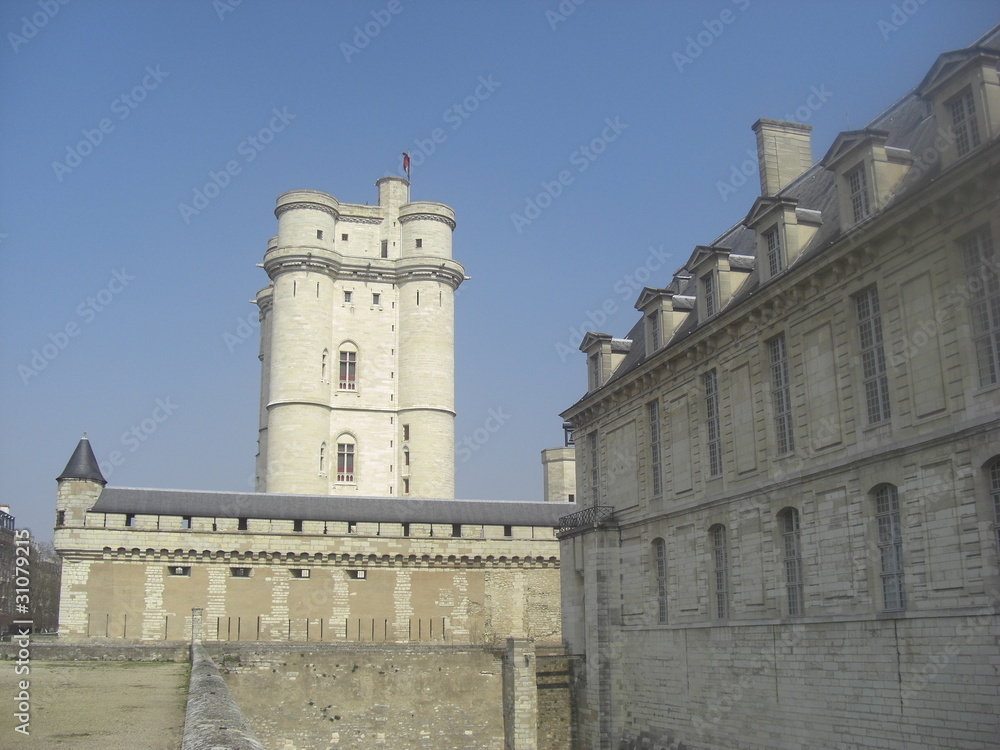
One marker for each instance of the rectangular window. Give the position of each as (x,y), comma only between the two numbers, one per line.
(995,493)
(376,299)
(456,530)
(180,570)
(653,321)
(595,371)
(343,238)
(890,545)
(385,248)
(357,575)
(781,398)
(793,560)
(239,572)
(406,485)
(857,181)
(775,256)
(297,524)
(420,242)
(406,529)
(712,426)
(348,296)
(508,530)
(660,551)
(60,518)
(595,474)
(242,524)
(963,122)
(406,432)
(348,371)
(186,522)
(300,572)
(655,470)
(130,519)
(319,234)
(720,561)
(345,462)
(873,368)
(711,301)
(983,285)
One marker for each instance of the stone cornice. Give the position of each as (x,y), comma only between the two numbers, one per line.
(427,217)
(335,265)
(305,205)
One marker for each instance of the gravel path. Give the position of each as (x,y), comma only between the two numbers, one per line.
(90,705)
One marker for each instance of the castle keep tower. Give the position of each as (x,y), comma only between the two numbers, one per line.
(357,347)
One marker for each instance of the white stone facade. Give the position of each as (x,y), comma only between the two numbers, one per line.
(357,347)
(791,490)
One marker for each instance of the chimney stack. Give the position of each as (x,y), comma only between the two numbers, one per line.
(784,151)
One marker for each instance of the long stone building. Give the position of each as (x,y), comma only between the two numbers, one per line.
(353,534)
(789,469)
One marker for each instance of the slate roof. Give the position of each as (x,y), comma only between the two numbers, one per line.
(908,125)
(328,507)
(83,464)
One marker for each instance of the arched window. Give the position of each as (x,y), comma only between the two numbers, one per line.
(720,569)
(322,458)
(660,562)
(791,543)
(890,546)
(345,459)
(348,380)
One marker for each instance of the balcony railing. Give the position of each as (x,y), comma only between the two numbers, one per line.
(594,517)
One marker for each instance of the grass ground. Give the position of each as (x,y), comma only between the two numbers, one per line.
(91,705)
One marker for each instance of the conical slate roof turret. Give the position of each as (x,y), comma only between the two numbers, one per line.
(83,464)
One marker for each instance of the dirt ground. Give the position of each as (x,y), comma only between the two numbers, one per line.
(90,705)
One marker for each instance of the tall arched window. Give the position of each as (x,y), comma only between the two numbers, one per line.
(890,546)
(348,380)
(345,459)
(720,570)
(791,543)
(660,561)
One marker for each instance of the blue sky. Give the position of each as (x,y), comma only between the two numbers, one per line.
(586,148)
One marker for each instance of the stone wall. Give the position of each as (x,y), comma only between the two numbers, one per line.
(388,695)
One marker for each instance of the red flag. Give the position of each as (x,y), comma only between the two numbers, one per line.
(406,164)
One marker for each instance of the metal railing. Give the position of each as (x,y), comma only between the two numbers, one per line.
(593,517)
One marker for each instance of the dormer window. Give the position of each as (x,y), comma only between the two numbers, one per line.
(710,294)
(653,325)
(857,183)
(595,371)
(775,256)
(963,120)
